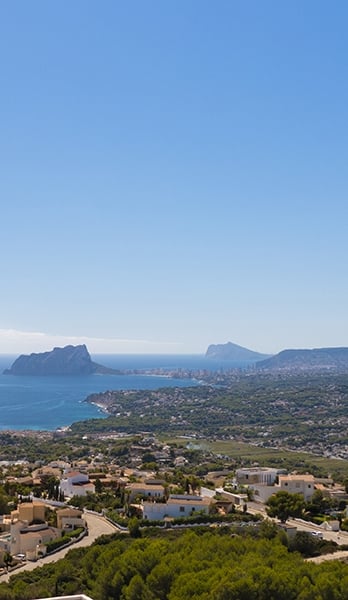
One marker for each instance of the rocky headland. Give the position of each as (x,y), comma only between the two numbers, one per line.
(70,360)
(230,351)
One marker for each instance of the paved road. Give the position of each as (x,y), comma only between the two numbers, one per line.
(340,537)
(97,526)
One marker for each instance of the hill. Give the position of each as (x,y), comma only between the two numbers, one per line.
(70,360)
(230,351)
(308,359)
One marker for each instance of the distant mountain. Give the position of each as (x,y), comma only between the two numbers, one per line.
(317,358)
(232,351)
(70,360)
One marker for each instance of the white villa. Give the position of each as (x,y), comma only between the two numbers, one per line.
(258,475)
(294,484)
(75,483)
(176,506)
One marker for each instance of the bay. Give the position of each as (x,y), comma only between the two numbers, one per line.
(47,403)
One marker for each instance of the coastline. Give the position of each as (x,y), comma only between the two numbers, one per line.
(103,409)
(48,403)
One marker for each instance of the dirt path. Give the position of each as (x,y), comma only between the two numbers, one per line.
(339,555)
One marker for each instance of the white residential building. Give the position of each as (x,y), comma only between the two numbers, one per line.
(258,475)
(296,484)
(28,539)
(176,506)
(75,483)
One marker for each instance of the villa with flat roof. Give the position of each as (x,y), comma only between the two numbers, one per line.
(75,483)
(179,505)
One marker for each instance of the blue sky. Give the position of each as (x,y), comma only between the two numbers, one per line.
(173,174)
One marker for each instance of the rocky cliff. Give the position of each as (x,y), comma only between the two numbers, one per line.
(234,352)
(70,360)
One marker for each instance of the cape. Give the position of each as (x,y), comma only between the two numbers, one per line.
(70,360)
(232,351)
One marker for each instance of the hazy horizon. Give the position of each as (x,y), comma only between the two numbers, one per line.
(44,348)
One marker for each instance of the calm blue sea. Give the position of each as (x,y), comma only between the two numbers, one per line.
(45,403)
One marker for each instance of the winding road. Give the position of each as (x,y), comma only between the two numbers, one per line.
(97,526)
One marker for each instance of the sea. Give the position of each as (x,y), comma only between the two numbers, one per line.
(52,402)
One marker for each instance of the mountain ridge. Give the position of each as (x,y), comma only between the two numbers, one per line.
(307,358)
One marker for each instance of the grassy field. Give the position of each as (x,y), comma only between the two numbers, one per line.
(247,454)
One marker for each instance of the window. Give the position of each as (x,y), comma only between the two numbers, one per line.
(182,508)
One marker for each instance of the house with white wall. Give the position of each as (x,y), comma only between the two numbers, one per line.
(75,483)
(177,506)
(267,481)
(296,484)
(27,539)
(258,475)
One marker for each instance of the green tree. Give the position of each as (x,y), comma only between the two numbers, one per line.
(160,580)
(134,527)
(4,499)
(318,503)
(268,529)
(304,543)
(98,486)
(137,590)
(284,505)
(7,560)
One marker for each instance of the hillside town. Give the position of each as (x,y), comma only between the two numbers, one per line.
(50,500)
(267,409)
